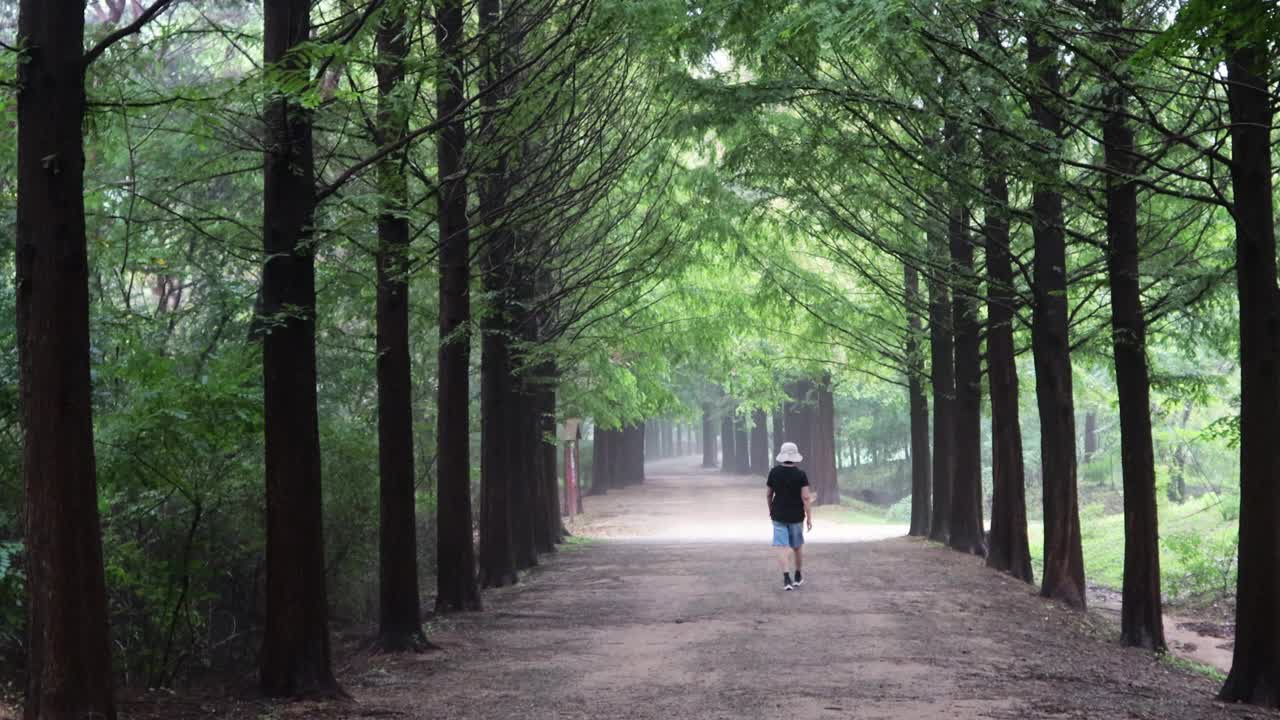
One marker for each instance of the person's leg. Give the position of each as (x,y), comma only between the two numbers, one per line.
(783,558)
(797,549)
(782,549)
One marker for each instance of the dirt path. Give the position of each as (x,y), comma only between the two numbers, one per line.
(671,615)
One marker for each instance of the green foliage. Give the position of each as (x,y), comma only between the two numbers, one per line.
(1207,564)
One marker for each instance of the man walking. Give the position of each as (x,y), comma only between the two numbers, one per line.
(789,501)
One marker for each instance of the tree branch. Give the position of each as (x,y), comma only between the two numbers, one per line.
(132,28)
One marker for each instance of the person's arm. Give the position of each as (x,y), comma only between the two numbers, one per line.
(768,499)
(808,507)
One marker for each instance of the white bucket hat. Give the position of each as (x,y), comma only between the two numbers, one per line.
(789,453)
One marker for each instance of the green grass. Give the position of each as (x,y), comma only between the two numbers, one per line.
(1102,539)
(857,512)
(1184,664)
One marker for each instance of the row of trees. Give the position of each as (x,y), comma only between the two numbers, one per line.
(1055,175)
(479,147)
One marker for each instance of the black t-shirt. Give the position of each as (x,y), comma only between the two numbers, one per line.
(788,503)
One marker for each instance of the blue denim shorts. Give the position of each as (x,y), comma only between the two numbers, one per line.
(788,534)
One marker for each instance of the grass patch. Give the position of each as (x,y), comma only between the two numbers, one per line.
(1184,570)
(1186,665)
(577,542)
(857,512)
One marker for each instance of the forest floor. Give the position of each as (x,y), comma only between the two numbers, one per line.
(667,605)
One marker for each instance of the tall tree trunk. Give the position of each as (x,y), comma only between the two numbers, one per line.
(69,648)
(799,412)
(1007,548)
(602,451)
(524,475)
(966,528)
(548,450)
(504,407)
(1141,622)
(759,443)
(822,464)
(1091,417)
(708,437)
(1255,667)
(1050,344)
(295,648)
(741,447)
(727,453)
(919,409)
(942,367)
(779,430)
(400,614)
(455,561)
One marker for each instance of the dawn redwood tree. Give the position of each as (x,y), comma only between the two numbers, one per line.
(455,565)
(1141,623)
(708,437)
(799,416)
(919,406)
(69,649)
(741,446)
(1008,548)
(822,464)
(295,648)
(1255,665)
(400,612)
(779,429)
(1050,341)
(965,525)
(942,367)
(759,443)
(728,454)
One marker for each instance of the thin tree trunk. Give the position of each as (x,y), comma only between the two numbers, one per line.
(295,658)
(919,409)
(400,613)
(455,561)
(942,363)
(1255,666)
(779,430)
(1050,344)
(69,647)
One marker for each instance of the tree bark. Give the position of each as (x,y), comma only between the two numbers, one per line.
(741,446)
(942,367)
(823,441)
(919,409)
(779,429)
(728,454)
(799,412)
(1091,417)
(1255,667)
(966,527)
(295,658)
(1007,547)
(759,443)
(1141,622)
(708,437)
(1051,346)
(456,566)
(400,612)
(68,640)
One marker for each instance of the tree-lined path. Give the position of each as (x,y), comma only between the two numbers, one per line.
(639,623)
